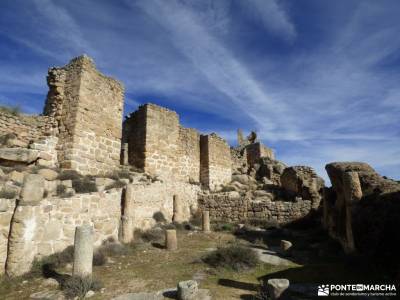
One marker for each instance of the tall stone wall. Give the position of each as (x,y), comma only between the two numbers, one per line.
(48,227)
(257,150)
(25,128)
(215,161)
(233,207)
(189,154)
(148,199)
(157,144)
(87,107)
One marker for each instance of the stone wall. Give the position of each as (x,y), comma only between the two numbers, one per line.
(148,199)
(25,128)
(215,161)
(257,150)
(87,107)
(49,227)
(233,207)
(157,144)
(7,207)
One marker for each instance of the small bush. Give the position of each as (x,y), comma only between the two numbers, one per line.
(78,287)
(13,110)
(115,185)
(8,194)
(233,257)
(6,137)
(196,218)
(223,227)
(69,175)
(159,217)
(113,249)
(151,235)
(99,259)
(62,191)
(84,185)
(55,260)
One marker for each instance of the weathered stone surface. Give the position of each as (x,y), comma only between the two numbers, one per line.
(285,245)
(48,174)
(32,189)
(206,221)
(277,287)
(187,290)
(171,241)
(16,176)
(141,296)
(178,215)
(50,282)
(83,251)
(360,207)
(18,155)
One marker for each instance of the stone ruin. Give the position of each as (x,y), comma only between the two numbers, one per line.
(149,163)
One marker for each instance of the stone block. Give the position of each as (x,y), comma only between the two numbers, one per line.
(32,190)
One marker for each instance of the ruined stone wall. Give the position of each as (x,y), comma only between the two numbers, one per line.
(87,107)
(7,207)
(189,154)
(25,128)
(232,207)
(157,144)
(148,199)
(49,226)
(256,151)
(215,161)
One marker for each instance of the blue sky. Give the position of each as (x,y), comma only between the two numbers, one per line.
(318,80)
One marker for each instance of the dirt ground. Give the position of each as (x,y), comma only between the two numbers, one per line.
(150,268)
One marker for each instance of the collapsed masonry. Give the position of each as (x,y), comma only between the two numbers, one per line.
(82,130)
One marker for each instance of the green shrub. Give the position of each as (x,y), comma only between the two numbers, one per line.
(84,185)
(151,235)
(8,194)
(223,227)
(55,260)
(118,184)
(75,286)
(196,218)
(12,110)
(233,257)
(159,217)
(6,137)
(69,175)
(99,259)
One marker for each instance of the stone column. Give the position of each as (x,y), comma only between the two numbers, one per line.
(24,225)
(187,290)
(206,221)
(171,242)
(83,251)
(125,157)
(178,210)
(127,217)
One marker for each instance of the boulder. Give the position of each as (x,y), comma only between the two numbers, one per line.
(10,156)
(32,190)
(285,245)
(243,179)
(48,174)
(277,287)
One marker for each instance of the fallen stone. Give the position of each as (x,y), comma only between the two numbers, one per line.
(89,294)
(187,290)
(271,257)
(48,295)
(277,287)
(285,245)
(44,163)
(262,193)
(48,174)
(18,155)
(50,282)
(243,179)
